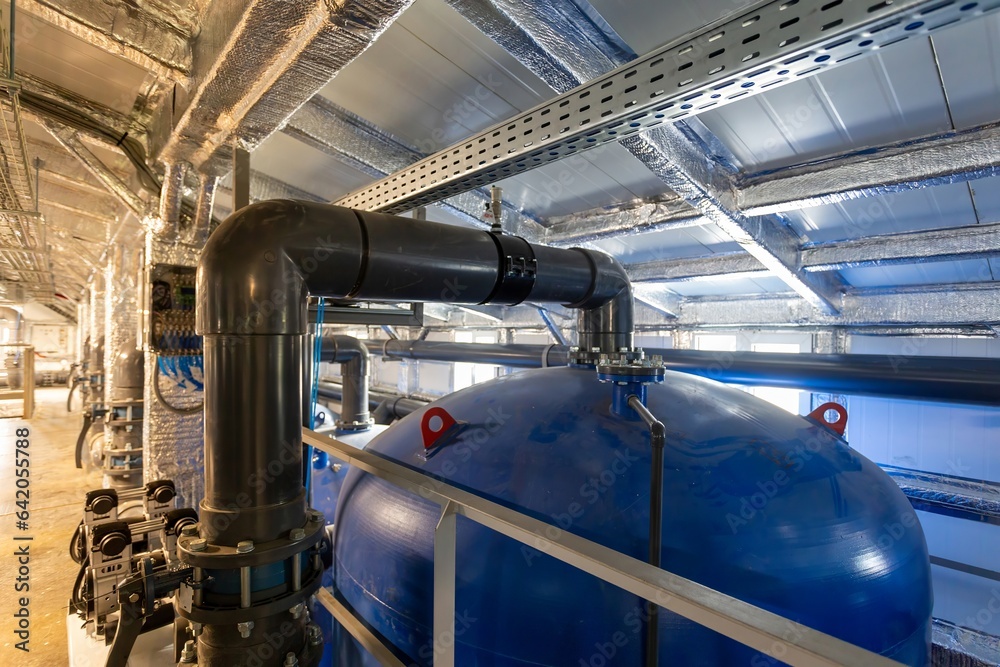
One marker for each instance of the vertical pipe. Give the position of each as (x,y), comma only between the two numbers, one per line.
(241,178)
(10,73)
(202,225)
(245,587)
(253,416)
(171,196)
(657,441)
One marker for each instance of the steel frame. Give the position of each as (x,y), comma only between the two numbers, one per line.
(772,44)
(769,633)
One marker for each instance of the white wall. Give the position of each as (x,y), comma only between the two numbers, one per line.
(952,439)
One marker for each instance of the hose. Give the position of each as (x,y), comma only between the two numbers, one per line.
(87,420)
(159,395)
(77,546)
(69,397)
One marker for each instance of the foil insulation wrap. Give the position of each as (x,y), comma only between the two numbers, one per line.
(121,305)
(152,34)
(275,58)
(172,444)
(95,311)
(947,492)
(955,646)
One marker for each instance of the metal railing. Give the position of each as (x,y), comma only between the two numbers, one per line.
(764,631)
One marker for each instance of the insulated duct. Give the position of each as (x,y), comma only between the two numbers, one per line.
(253,280)
(949,379)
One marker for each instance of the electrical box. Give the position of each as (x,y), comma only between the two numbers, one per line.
(172,300)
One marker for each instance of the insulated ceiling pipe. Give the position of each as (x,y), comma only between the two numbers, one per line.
(353,356)
(254,276)
(950,379)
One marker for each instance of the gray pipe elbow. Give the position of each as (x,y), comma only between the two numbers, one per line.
(607,319)
(253,272)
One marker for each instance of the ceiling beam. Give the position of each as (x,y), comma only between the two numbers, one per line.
(638,217)
(957,243)
(275,58)
(686,171)
(729,265)
(939,245)
(938,159)
(70,141)
(936,305)
(358,144)
(157,40)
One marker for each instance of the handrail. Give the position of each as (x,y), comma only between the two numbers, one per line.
(764,631)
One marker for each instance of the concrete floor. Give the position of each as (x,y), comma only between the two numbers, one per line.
(56,505)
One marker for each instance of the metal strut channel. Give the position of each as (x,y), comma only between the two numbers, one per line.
(772,44)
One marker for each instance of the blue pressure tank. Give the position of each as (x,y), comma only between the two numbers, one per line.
(763,505)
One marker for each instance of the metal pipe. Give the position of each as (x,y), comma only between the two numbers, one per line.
(354,358)
(392,406)
(253,278)
(510,355)
(657,441)
(947,379)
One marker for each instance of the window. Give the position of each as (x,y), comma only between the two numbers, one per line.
(466,375)
(716,343)
(786,399)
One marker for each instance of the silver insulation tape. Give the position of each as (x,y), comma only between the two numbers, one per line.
(979,497)
(277,57)
(956,646)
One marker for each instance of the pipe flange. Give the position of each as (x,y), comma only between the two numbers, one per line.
(630,366)
(354,426)
(279,604)
(584,357)
(219,557)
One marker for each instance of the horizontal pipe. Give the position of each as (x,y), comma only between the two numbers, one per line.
(948,379)
(396,405)
(512,356)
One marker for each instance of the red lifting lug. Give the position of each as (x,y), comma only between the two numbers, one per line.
(435,423)
(819,416)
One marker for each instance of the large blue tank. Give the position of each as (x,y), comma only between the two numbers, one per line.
(766,506)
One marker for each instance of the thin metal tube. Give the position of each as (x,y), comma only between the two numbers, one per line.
(657,441)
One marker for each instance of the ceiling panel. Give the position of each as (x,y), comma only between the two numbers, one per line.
(927,273)
(969,54)
(56,56)
(891,96)
(930,208)
(671,243)
(723,286)
(652,24)
(309,169)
